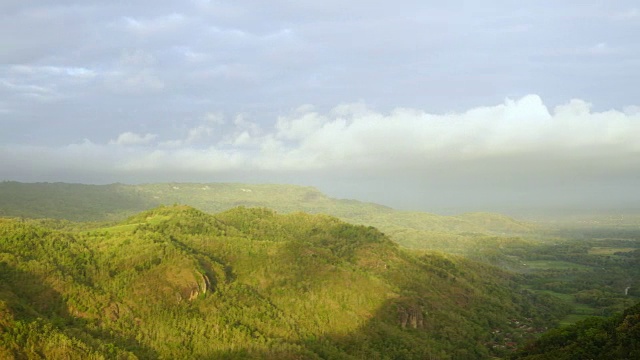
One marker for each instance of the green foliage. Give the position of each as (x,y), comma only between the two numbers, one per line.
(174,282)
(616,337)
(77,202)
(143,277)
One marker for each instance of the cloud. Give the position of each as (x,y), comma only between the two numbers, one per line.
(30,92)
(135,73)
(95,69)
(42,71)
(198,133)
(137,58)
(27,84)
(302,124)
(506,150)
(138,82)
(352,135)
(632,110)
(213,118)
(154,26)
(129,138)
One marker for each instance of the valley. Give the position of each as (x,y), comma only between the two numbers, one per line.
(238,271)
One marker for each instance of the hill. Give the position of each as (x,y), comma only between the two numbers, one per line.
(615,337)
(175,282)
(586,265)
(78,202)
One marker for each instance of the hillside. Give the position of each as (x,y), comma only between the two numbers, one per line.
(175,282)
(615,337)
(79,202)
(587,266)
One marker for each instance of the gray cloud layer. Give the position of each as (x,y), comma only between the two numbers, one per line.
(403,93)
(515,151)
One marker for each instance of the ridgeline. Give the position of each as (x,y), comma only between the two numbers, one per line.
(175,282)
(109,272)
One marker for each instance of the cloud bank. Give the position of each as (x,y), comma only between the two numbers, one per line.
(519,146)
(407,96)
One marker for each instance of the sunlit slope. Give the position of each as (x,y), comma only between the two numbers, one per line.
(107,202)
(48,303)
(175,282)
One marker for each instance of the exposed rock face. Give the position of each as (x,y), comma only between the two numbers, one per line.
(181,280)
(115,310)
(201,288)
(411,316)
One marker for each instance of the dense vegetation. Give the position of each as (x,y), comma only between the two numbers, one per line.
(125,284)
(174,282)
(76,202)
(616,337)
(79,202)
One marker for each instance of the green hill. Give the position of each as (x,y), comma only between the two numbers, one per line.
(175,282)
(78,202)
(615,337)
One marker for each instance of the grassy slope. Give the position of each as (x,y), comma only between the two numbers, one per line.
(248,283)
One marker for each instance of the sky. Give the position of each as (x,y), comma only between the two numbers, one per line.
(443,106)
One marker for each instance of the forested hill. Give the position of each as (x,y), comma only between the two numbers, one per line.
(616,337)
(80,202)
(175,282)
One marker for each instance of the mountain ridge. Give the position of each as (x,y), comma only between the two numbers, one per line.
(80,202)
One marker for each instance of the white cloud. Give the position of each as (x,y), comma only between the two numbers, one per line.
(137,58)
(70,71)
(71,68)
(194,57)
(242,124)
(134,73)
(354,136)
(40,93)
(171,143)
(632,110)
(183,160)
(134,82)
(213,118)
(129,138)
(511,149)
(154,26)
(299,126)
(198,133)
(243,139)
(231,71)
